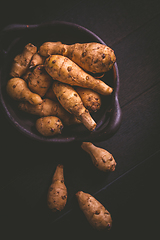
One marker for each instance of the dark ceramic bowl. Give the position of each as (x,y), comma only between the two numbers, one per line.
(12,41)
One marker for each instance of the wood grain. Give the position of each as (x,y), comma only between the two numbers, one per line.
(27,166)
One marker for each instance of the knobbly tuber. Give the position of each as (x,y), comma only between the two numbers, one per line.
(49,108)
(95,212)
(36,60)
(39,81)
(101,158)
(18,90)
(21,62)
(49,126)
(57,193)
(90,99)
(93,57)
(64,70)
(72,102)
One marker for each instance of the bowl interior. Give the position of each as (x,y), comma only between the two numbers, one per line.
(66,33)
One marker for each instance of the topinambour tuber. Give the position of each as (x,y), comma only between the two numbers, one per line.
(57,192)
(49,126)
(90,99)
(101,158)
(96,214)
(18,90)
(21,62)
(64,70)
(49,108)
(93,57)
(72,102)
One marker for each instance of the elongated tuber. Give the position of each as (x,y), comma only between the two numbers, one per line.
(101,158)
(64,70)
(95,212)
(18,90)
(57,193)
(21,62)
(49,108)
(72,102)
(49,126)
(93,57)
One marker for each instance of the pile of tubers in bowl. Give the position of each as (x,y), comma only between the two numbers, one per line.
(54,84)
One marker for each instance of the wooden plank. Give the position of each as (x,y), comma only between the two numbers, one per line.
(34,13)
(138,61)
(112,20)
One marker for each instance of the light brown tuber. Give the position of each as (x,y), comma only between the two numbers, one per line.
(72,102)
(21,62)
(49,108)
(101,158)
(64,70)
(95,212)
(57,193)
(93,57)
(18,90)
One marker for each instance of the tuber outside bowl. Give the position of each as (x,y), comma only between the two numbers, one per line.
(13,38)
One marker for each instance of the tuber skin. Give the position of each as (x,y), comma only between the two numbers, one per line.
(64,70)
(90,99)
(101,158)
(18,90)
(72,102)
(49,126)
(93,57)
(57,193)
(36,60)
(26,75)
(21,62)
(95,212)
(50,94)
(39,81)
(49,108)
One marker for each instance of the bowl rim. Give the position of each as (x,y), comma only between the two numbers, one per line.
(97,135)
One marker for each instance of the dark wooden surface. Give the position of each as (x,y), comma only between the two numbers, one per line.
(130,193)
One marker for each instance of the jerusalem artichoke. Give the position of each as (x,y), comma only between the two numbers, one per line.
(18,90)
(95,212)
(39,81)
(57,193)
(93,57)
(72,102)
(49,126)
(90,99)
(21,62)
(101,158)
(49,108)
(64,70)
